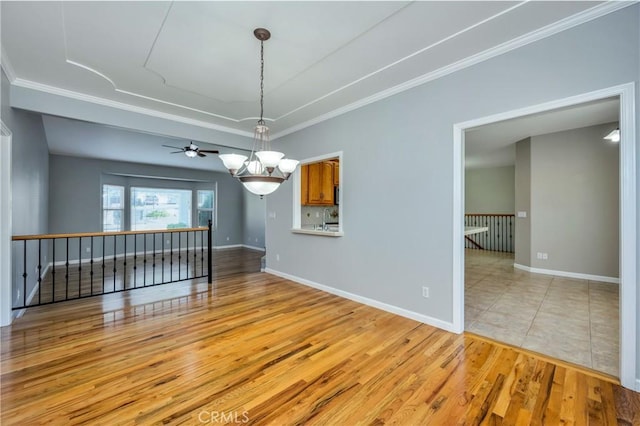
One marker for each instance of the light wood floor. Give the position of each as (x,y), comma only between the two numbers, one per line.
(259,349)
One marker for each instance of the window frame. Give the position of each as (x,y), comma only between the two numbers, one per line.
(212,209)
(132,207)
(122,209)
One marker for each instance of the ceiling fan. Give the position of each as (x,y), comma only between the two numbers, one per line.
(191,150)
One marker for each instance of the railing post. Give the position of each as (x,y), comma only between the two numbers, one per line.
(210,252)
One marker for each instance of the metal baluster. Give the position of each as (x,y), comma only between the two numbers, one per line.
(124,266)
(209,252)
(24,273)
(39,271)
(153,265)
(171,259)
(79,266)
(187,254)
(115,258)
(91,266)
(202,253)
(144,262)
(179,256)
(104,239)
(162,235)
(135,260)
(66,275)
(53,271)
(195,254)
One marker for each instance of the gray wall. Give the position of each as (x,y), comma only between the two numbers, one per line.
(255,212)
(398,225)
(490,190)
(522,233)
(75,186)
(29,177)
(575,201)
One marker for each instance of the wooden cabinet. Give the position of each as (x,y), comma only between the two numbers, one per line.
(336,173)
(316,184)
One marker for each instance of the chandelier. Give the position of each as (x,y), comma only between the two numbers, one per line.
(264,170)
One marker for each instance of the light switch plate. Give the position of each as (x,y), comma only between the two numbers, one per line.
(522,214)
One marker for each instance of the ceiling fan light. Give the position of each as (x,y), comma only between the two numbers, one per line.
(191,153)
(232,161)
(269,158)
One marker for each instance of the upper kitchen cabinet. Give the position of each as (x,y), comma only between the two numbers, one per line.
(317,183)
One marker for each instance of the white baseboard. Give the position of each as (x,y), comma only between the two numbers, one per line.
(448,326)
(577,275)
(232,246)
(637,389)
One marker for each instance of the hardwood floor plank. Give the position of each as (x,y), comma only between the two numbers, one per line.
(257,349)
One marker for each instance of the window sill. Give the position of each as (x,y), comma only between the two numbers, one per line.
(317,232)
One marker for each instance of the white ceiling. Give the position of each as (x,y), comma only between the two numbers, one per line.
(200,61)
(493,145)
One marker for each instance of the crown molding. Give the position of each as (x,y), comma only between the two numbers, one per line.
(6,65)
(27,84)
(542,33)
(552,29)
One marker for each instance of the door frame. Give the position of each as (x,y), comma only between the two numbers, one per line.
(627,222)
(6,293)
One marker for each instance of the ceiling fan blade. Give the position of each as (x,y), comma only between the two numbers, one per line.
(200,154)
(176,152)
(174,147)
(210,151)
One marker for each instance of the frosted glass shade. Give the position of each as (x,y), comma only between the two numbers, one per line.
(261,185)
(191,154)
(232,161)
(614,136)
(254,167)
(287,165)
(269,158)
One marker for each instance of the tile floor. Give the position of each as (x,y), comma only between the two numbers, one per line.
(569,319)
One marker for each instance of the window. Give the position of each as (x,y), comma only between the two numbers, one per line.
(205,207)
(156,208)
(112,208)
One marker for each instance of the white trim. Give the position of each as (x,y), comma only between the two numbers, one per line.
(27,84)
(254,247)
(539,34)
(6,279)
(577,275)
(34,290)
(6,66)
(628,213)
(366,301)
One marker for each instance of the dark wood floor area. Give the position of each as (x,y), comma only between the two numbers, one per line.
(256,349)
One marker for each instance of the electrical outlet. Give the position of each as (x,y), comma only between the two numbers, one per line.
(18,294)
(227,238)
(317,214)
(256,240)
(88,250)
(168,241)
(545,256)
(277,257)
(425,291)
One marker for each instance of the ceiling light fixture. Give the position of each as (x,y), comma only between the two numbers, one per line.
(613,136)
(264,170)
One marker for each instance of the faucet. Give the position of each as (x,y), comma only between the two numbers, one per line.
(324,219)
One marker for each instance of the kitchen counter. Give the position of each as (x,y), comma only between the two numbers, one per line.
(310,230)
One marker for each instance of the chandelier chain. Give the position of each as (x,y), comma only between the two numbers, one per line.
(261,80)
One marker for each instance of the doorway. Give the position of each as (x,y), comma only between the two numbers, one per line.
(628,234)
